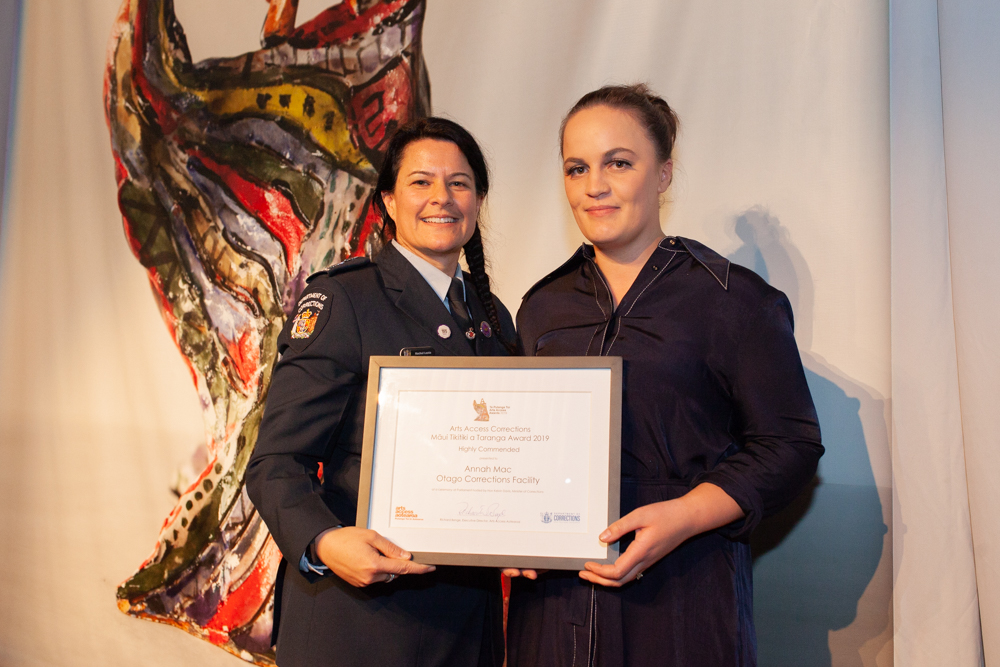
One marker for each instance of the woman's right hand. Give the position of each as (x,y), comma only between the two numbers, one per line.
(362,557)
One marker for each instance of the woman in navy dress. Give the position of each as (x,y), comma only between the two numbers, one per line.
(718,427)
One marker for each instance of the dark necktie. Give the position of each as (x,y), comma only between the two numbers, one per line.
(459,311)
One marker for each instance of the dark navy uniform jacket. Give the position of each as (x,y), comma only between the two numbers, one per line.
(713,391)
(315,414)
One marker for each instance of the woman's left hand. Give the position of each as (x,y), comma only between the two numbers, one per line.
(659,529)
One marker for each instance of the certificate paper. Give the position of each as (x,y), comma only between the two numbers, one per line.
(508,462)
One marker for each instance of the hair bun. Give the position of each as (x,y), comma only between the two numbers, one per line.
(651,110)
(668,114)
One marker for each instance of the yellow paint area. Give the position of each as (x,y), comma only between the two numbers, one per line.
(314,110)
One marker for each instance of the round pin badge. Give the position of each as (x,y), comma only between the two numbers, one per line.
(444,331)
(470,334)
(485,328)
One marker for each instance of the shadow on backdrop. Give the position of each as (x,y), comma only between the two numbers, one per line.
(814,560)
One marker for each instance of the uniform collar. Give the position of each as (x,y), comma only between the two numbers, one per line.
(414,296)
(435,277)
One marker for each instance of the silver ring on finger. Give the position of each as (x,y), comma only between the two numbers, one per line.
(392,576)
(638,576)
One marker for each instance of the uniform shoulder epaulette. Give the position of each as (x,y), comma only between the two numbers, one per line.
(568,266)
(349,264)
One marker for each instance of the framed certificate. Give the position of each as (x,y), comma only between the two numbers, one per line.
(499,461)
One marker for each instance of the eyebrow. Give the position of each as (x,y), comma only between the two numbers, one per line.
(620,149)
(419,172)
(607,155)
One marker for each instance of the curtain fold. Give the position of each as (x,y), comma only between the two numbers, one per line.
(970,85)
(936,606)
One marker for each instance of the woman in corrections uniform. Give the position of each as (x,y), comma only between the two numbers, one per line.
(348,596)
(718,427)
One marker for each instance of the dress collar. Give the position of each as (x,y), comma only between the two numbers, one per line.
(713,262)
(716,265)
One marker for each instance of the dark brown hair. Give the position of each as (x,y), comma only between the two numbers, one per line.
(649,110)
(443,129)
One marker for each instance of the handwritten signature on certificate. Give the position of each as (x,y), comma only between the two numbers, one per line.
(492,511)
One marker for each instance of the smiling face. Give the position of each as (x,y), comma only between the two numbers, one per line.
(434,202)
(613,179)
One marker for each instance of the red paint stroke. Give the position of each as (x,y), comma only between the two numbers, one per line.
(243,602)
(270,206)
(121,173)
(371,223)
(134,243)
(166,308)
(383,104)
(245,358)
(204,473)
(338,24)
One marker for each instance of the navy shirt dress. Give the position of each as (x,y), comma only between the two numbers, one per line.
(714,391)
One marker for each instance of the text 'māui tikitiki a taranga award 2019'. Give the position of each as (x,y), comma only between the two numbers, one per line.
(499,461)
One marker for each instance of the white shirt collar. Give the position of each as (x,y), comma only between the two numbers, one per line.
(435,277)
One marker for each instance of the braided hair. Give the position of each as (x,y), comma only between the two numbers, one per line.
(443,129)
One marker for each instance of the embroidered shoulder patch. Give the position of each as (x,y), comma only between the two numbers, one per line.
(304,323)
(311,315)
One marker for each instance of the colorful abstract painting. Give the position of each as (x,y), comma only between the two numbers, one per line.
(237,178)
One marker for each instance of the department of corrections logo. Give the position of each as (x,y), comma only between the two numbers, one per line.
(482,412)
(546,517)
(304,323)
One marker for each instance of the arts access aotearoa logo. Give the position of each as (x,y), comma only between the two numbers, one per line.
(406,515)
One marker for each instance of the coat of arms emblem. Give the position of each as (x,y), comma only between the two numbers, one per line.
(305,323)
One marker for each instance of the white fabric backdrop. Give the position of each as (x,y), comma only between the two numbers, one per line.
(784,165)
(970,83)
(936,616)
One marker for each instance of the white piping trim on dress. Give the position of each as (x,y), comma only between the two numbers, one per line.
(658,274)
(607,318)
(573,664)
(592,642)
(597,273)
(725,285)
